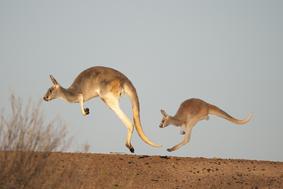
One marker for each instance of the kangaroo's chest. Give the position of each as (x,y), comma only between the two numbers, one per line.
(89,90)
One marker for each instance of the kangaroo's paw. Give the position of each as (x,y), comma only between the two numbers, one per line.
(86,111)
(182,132)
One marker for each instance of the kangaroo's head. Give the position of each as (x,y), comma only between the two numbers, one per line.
(53,91)
(165,120)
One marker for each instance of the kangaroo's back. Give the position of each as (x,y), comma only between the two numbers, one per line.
(192,107)
(98,75)
(95,79)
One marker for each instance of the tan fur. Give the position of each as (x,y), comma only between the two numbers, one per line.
(190,112)
(109,84)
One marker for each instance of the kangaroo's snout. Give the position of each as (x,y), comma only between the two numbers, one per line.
(162,124)
(45,98)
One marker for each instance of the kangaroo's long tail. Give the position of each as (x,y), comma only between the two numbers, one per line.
(132,93)
(214,110)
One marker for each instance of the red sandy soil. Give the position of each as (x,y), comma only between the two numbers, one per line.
(134,172)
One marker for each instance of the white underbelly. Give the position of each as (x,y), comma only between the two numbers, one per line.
(89,94)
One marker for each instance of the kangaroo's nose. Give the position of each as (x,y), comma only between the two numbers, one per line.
(44,98)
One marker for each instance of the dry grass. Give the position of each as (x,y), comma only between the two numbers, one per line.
(26,141)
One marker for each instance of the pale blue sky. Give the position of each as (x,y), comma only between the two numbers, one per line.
(228,53)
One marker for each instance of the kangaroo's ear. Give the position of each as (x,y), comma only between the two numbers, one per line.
(53,80)
(163,113)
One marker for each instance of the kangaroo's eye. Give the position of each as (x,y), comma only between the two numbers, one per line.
(50,91)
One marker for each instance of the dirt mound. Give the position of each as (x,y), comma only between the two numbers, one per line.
(88,171)
(127,171)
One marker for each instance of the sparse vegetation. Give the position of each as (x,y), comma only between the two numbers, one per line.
(26,143)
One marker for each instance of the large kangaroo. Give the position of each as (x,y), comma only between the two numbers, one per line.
(109,85)
(189,113)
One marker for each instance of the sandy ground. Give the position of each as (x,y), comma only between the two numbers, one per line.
(128,172)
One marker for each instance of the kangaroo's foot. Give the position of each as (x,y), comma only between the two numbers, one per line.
(170,149)
(131,148)
(86,111)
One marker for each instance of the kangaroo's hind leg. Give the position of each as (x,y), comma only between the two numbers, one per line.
(182,131)
(112,102)
(187,136)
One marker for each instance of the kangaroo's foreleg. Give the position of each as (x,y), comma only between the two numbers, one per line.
(85,111)
(113,104)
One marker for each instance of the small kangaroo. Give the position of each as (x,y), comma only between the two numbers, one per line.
(109,84)
(189,113)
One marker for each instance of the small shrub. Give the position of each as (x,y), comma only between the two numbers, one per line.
(26,143)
